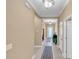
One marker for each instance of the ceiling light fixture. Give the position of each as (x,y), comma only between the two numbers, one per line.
(48,3)
(50,23)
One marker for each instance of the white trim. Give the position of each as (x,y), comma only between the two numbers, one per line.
(38,46)
(67,18)
(27,4)
(64,7)
(37,53)
(33,7)
(33,57)
(64,55)
(64,20)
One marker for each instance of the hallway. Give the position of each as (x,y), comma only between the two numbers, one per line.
(31,24)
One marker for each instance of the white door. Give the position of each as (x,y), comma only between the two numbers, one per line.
(60,35)
(67,43)
(64,39)
(69,39)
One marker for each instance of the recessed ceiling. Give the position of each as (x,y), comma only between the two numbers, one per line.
(53,11)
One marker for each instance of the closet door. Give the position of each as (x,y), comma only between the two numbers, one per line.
(64,39)
(69,39)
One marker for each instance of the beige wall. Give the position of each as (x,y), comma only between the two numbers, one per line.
(20,30)
(67,11)
(38,30)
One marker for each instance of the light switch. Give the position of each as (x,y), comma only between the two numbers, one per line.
(9,47)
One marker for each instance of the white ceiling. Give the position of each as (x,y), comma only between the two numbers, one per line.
(54,11)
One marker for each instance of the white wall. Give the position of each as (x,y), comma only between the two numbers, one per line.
(19,30)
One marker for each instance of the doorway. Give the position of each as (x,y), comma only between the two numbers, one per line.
(49,32)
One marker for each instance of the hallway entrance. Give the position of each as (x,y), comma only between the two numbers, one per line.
(33,29)
(50,32)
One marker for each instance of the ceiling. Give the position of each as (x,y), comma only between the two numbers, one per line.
(53,11)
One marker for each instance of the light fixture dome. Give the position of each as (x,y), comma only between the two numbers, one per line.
(48,3)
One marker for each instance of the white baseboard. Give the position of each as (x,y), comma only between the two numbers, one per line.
(33,57)
(38,46)
(64,55)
